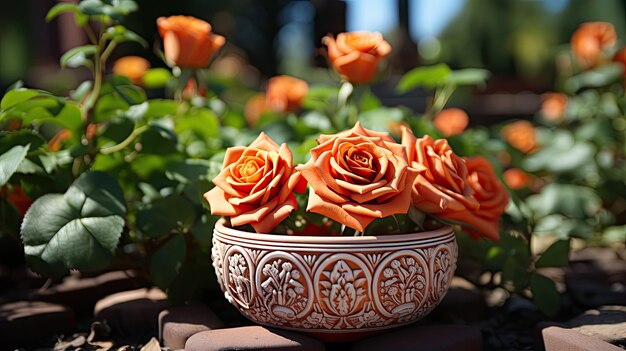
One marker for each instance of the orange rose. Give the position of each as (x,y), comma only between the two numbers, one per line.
(590,40)
(256,185)
(356,55)
(285,93)
(255,108)
(515,178)
(620,57)
(553,106)
(188,41)
(521,135)
(131,67)
(451,121)
(490,194)
(357,176)
(441,187)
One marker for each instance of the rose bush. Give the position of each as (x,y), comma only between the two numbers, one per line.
(142,164)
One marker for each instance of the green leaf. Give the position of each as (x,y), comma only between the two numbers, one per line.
(201,121)
(158,108)
(78,56)
(600,76)
(571,200)
(76,230)
(21,137)
(426,77)
(156,78)
(158,139)
(557,255)
(167,260)
(59,9)
(10,160)
(545,295)
(14,97)
(188,171)
(380,119)
(121,34)
(165,215)
(80,18)
(116,9)
(81,91)
(469,76)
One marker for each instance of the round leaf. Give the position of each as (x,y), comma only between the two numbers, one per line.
(76,230)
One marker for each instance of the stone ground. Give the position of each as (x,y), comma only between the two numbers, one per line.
(118,311)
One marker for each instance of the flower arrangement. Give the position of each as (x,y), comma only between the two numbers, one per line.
(356,177)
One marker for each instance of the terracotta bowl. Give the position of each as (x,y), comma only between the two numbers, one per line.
(326,286)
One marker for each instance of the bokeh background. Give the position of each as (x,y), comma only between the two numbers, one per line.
(517,40)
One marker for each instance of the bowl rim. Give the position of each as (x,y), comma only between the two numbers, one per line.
(222,229)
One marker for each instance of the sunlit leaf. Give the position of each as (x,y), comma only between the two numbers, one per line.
(76,230)
(424,77)
(10,161)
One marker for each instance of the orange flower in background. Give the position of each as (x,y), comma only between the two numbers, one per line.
(356,55)
(256,185)
(521,135)
(285,93)
(192,90)
(490,194)
(620,57)
(255,108)
(553,106)
(357,176)
(17,198)
(131,67)
(441,187)
(451,121)
(188,41)
(590,40)
(57,140)
(515,178)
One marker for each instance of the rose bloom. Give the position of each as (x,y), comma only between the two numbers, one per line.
(131,67)
(620,57)
(285,93)
(451,121)
(590,40)
(255,108)
(521,135)
(490,194)
(357,176)
(188,41)
(441,187)
(515,178)
(553,106)
(256,185)
(356,55)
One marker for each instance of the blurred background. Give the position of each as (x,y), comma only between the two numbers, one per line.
(517,40)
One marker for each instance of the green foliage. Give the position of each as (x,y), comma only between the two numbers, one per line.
(555,256)
(79,56)
(545,295)
(440,75)
(10,160)
(76,230)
